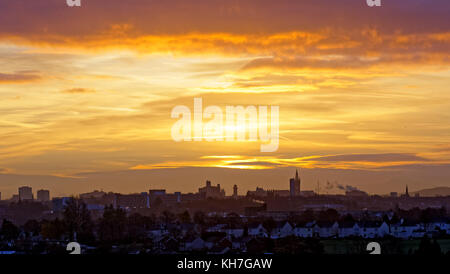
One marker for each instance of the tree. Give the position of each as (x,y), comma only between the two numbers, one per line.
(199,217)
(386,219)
(77,219)
(348,218)
(245,233)
(113,225)
(307,216)
(329,215)
(9,230)
(167,217)
(32,227)
(136,226)
(395,219)
(184,217)
(53,229)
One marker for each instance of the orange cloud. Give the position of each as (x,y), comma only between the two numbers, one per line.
(19,77)
(343,161)
(78,90)
(283,30)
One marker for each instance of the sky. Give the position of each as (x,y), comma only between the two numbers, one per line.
(87,93)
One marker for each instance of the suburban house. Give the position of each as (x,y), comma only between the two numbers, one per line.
(234,232)
(304,230)
(325,229)
(348,229)
(406,229)
(373,229)
(257,230)
(383,230)
(231,231)
(157,231)
(282,229)
(194,243)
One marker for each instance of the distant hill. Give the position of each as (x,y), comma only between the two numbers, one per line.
(436,191)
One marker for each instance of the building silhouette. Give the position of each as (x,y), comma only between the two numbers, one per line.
(25,193)
(43,195)
(93,195)
(210,191)
(235,191)
(130,201)
(294,185)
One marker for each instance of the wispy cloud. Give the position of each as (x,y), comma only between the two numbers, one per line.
(19,77)
(78,90)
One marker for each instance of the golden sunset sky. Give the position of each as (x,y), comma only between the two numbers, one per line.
(87,92)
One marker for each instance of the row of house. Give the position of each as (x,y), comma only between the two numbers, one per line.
(222,238)
(367,229)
